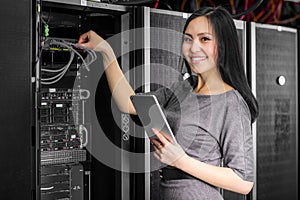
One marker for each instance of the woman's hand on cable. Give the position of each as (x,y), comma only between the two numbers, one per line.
(166,150)
(90,40)
(93,41)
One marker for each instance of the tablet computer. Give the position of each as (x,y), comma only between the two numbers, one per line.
(151,115)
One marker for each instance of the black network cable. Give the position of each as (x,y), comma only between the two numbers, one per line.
(255,6)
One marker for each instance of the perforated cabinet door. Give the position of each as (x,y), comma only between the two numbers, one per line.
(166,38)
(276,128)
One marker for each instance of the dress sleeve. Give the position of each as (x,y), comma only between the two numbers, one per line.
(162,95)
(237,140)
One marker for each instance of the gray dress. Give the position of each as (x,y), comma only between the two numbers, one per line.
(215,129)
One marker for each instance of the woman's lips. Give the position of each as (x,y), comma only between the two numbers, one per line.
(198,59)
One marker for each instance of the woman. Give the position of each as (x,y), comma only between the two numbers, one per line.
(211,120)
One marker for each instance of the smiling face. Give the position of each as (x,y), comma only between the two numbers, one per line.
(200,46)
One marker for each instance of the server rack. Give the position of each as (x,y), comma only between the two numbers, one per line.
(274,75)
(162,68)
(18,170)
(47,129)
(70,109)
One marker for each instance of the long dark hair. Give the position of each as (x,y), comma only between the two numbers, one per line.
(230,62)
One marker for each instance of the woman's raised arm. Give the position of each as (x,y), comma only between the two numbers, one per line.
(119,86)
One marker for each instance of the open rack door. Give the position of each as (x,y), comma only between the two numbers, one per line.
(18,170)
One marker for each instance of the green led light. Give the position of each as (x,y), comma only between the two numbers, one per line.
(46,30)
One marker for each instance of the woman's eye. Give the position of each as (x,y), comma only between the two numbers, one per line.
(205,39)
(187,39)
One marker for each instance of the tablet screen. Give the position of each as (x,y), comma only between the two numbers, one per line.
(151,115)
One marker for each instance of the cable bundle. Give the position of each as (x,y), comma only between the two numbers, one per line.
(71,47)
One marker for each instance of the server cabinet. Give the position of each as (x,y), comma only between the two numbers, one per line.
(165,58)
(161,67)
(18,170)
(274,68)
(77,119)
